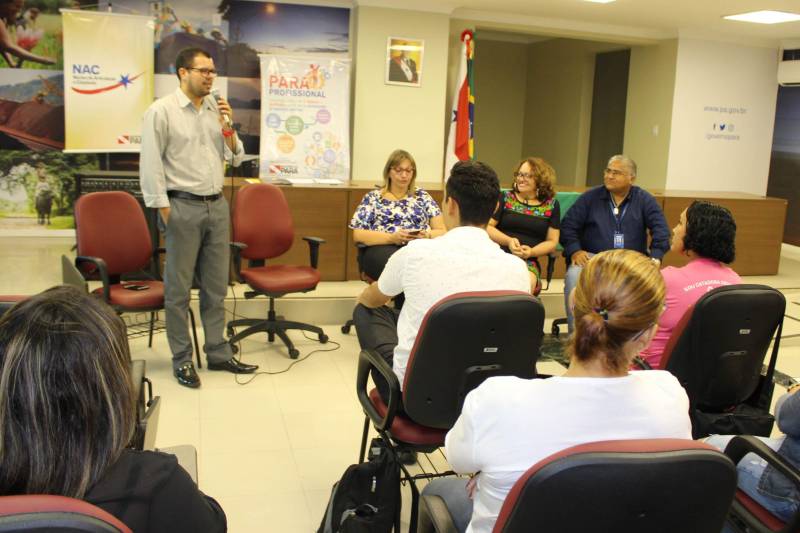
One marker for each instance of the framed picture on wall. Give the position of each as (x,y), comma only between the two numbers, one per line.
(404,61)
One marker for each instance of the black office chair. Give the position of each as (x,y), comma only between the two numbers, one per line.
(746,514)
(717,352)
(624,486)
(463,340)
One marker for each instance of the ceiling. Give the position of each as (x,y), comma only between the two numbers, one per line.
(632,21)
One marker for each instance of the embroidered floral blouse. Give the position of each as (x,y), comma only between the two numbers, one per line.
(377,213)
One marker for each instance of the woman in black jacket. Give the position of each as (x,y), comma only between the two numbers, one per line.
(67,415)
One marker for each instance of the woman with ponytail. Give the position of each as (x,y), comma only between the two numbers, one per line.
(508,424)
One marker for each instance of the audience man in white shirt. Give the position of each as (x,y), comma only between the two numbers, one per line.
(427,270)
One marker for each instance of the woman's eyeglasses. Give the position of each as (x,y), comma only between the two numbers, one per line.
(404,170)
(526,175)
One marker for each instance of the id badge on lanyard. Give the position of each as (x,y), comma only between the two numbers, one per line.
(619,236)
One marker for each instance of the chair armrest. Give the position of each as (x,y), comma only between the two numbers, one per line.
(741,445)
(82,260)
(313,249)
(551,267)
(236,251)
(368,359)
(434,516)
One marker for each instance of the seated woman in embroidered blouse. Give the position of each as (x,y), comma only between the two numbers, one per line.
(528,217)
(399,212)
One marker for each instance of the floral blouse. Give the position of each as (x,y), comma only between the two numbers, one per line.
(376,213)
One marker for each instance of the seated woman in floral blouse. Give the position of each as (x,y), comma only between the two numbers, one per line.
(389,217)
(528,217)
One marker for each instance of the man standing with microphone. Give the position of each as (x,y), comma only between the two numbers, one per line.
(186,137)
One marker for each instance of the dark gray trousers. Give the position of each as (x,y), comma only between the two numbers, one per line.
(197,243)
(377,330)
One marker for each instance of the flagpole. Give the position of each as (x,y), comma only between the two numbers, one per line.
(460,144)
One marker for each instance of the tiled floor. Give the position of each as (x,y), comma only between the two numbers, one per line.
(269,450)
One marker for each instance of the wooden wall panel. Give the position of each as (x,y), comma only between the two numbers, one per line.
(759,230)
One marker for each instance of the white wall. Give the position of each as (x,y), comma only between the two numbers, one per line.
(648,115)
(387,117)
(720,84)
(500,89)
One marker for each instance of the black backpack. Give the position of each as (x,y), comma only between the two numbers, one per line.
(367,497)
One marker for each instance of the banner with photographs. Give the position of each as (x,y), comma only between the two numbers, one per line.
(108,80)
(305,119)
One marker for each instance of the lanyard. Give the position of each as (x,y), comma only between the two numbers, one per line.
(621,216)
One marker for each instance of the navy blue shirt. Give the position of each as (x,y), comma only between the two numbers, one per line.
(590,223)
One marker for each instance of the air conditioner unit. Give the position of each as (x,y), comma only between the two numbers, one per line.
(789,68)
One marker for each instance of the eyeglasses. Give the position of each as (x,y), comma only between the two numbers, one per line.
(526,175)
(404,170)
(614,172)
(205,72)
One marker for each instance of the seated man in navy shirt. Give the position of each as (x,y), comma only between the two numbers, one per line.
(616,215)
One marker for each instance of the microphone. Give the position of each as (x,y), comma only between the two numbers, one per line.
(225,118)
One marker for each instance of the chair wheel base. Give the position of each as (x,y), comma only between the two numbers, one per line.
(230,332)
(294,353)
(555,330)
(234,349)
(346,329)
(323,338)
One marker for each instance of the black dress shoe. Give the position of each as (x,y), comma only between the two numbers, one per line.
(187,375)
(233,366)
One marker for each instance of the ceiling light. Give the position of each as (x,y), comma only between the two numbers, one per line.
(765,17)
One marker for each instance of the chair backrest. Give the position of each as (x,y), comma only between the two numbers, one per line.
(111,226)
(718,349)
(262,221)
(48,513)
(565,200)
(7,301)
(464,339)
(656,485)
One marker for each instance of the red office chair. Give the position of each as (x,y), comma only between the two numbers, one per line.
(717,352)
(747,515)
(7,301)
(47,513)
(113,240)
(463,340)
(262,230)
(624,486)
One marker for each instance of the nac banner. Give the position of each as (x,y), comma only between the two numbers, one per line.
(305,119)
(108,80)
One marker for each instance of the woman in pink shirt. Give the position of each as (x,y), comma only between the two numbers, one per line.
(705,234)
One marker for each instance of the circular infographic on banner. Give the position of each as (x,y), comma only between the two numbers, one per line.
(273,120)
(323,116)
(295,125)
(286,143)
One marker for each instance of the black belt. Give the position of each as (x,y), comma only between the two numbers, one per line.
(183,195)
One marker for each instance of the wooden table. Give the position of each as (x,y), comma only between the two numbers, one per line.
(325,210)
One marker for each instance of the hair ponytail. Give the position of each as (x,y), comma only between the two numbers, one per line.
(619,294)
